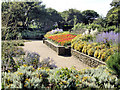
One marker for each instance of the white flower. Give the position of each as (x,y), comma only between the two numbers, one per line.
(87,31)
(91,31)
(83,34)
(94,32)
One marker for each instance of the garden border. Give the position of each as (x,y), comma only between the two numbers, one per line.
(90,61)
(67,51)
(61,50)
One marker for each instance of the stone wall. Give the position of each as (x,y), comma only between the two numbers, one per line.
(61,50)
(90,61)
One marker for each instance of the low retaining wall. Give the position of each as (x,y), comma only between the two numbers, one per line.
(61,50)
(90,61)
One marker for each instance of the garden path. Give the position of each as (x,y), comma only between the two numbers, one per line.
(44,52)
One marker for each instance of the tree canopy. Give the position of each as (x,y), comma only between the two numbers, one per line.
(21,13)
(90,15)
(72,16)
(113,14)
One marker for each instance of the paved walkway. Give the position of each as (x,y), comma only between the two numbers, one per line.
(44,51)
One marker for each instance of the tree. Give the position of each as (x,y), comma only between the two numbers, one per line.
(113,14)
(101,21)
(72,16)
(115,3)
(19,14)
(90,15)
(51,17)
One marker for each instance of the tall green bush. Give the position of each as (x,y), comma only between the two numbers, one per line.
(114,63)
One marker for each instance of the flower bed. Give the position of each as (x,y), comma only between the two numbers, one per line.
(101,50)
(63,39)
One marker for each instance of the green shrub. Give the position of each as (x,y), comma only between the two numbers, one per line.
(93,26)
(32,34)
(79,26)
(114,63)
(10,50)
(59,79)
(10,34)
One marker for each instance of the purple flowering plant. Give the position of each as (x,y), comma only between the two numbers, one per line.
(108,37)
(56,31)
(33,59)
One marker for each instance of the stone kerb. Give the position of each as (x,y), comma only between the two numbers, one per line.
(90,61)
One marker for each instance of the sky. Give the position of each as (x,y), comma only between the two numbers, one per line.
(100,6)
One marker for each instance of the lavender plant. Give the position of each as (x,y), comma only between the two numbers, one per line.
(56,31)
(48,62)
(33,59)
(111,37)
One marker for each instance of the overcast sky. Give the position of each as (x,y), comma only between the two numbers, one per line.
(100,6)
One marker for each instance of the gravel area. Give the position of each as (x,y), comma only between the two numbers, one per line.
(60,61)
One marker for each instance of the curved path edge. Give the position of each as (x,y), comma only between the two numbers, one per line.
(44,52)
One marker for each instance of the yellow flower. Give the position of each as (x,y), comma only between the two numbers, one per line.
(25,85)
(25,65)
(8,70)
(48,69)
(99,56)
(87,67)
(97,47)
(103,46)
(108,58)
(76,76)
(60,76)
(84,78)
(72,45)
(37,75)
(39,68)
(93,67)
(94,44)
(89,46)
(8,80)
(27,80)
(64,82)
(60,83)
(42,68)
(96,53)
(103,56)
(31,66)
(73,67)
(90,52)
(20,73)
(40,75)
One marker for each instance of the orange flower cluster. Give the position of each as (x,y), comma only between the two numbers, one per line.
(63,39)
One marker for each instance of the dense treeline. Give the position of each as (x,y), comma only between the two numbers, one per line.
(20,16)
